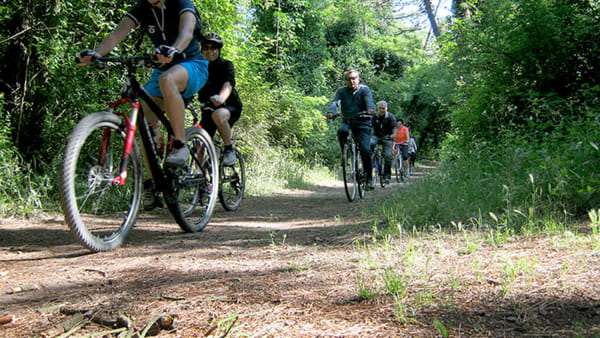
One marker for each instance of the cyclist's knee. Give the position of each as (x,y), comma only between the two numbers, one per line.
(221,115)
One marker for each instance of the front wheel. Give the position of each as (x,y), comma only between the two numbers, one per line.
(398,169)
(349,171)
(192,197)
(99,212)
(361,176)
(375,166)
(232,183)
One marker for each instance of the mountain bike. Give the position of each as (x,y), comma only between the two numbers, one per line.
(398,164)
(232,179)
(377,160)
(101,175)
(352,168)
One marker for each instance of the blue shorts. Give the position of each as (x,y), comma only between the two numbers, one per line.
(197,76)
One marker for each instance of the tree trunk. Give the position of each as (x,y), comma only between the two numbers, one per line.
(431,16)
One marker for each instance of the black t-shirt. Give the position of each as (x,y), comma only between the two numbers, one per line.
(162,24)
(219,72)
(383,126)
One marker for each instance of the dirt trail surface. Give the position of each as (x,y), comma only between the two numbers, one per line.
(283,265)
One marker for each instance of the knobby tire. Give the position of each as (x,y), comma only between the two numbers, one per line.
(232,180)
(194,191)
(349,171)
(100,214)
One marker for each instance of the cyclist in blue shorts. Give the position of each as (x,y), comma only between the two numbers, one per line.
(170,26)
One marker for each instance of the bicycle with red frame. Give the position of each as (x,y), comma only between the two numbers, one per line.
(102,175)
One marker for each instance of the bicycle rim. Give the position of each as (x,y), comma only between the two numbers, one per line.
(361,179)
(348,170)
(232,180)
(100,214)
(192,198)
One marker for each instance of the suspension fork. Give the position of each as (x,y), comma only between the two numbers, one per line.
(129,138)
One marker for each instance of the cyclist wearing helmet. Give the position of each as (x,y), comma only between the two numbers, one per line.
(220,92)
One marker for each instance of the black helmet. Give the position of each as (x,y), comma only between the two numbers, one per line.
(214,38)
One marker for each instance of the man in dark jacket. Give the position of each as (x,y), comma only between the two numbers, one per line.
(384,130)
(356,103)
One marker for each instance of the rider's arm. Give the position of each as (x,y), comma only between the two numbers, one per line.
(110,41)
(187,22)
(227,73)
(116,36)
(219,99)
(337,100)
(369,101)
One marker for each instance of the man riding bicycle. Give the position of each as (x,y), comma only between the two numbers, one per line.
(401,143)
(221,94)
(170,25)
(384,130)
(355,102)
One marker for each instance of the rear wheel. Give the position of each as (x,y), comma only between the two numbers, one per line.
(348,170)
(99,212)
(193,195)
(232,180)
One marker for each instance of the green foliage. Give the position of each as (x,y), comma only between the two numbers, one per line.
(513,53)
(20,193)
(515,187)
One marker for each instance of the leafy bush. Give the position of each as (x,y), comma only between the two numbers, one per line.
(520,185)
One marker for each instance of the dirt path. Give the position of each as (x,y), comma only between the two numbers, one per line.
(282,265)
(287,265)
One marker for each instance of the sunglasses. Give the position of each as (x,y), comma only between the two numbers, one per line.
(209,47)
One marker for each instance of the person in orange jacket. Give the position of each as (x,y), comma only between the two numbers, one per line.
(401,142)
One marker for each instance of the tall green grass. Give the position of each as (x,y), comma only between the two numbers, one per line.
(21,190)
(515,187)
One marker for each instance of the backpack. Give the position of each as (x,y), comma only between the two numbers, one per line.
(198,30)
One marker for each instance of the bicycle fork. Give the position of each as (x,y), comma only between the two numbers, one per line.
(129,138)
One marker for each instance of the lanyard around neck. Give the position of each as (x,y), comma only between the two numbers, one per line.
(161,24)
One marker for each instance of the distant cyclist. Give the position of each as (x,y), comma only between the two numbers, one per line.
(412,151)
(401,143)
(220,92)
(355,101)
(384,130)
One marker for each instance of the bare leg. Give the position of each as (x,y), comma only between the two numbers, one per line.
(221,118)
(172,83)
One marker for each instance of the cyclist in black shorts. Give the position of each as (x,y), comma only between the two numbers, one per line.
(220,92)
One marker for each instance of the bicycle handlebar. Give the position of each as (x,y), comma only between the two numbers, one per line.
(360,114)
(132,61)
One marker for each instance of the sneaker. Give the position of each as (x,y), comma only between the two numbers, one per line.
(179,157)
(386,181)
(229,158)
(369,185)
(151,198)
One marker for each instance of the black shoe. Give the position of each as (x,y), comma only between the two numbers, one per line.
(151,199)
(369,185)
(386,181)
